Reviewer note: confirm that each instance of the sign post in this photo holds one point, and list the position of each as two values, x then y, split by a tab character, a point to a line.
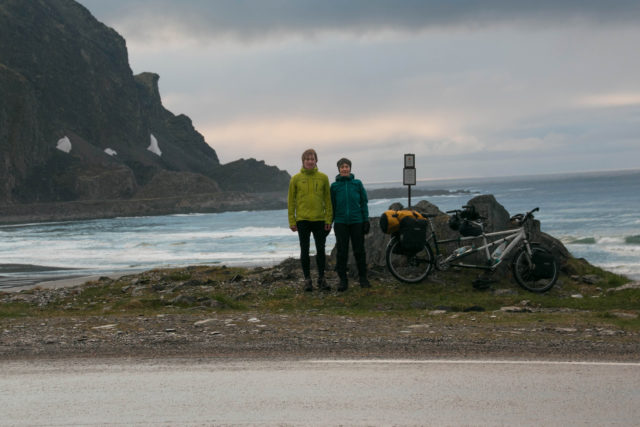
409	173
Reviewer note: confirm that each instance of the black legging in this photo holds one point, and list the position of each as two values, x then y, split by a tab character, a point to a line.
355	233
305	228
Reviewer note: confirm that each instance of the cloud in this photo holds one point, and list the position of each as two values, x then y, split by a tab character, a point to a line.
287	131
255	20
276	138
479	88
610	100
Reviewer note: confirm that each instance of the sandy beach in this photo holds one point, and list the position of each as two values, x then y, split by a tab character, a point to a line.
28	276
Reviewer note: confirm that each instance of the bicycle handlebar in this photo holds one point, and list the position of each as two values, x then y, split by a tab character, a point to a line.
525	217
460	210
465	207
529	215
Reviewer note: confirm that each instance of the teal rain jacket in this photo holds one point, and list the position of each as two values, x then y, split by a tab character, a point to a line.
349	200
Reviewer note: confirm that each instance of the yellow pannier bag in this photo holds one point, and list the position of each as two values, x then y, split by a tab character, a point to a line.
390	220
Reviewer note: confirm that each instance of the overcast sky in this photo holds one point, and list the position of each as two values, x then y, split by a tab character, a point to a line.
473	88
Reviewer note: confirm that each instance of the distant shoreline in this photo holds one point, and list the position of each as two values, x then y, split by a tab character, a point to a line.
103	209
537	176
394	193
198	203
235	201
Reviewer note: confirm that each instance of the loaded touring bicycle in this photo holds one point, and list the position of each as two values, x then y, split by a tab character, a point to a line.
414	249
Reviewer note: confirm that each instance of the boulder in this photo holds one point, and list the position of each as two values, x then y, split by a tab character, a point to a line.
497	217
486	205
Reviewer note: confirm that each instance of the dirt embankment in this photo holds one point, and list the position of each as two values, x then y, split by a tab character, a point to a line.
263	313
265	335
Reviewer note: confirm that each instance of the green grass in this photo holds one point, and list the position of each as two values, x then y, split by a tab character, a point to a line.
15	310
179	275
236	289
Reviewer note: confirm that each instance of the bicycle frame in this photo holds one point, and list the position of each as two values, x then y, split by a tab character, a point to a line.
533	266
511	237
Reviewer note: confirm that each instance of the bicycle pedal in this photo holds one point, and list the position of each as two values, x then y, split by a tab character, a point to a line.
441	263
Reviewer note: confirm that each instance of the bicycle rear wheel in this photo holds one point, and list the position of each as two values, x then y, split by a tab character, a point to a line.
529	276
409	267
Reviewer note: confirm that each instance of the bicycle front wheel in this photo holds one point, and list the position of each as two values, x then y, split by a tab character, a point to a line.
409	267
537	272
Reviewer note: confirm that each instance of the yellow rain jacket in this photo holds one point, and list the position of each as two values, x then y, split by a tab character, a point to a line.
309	197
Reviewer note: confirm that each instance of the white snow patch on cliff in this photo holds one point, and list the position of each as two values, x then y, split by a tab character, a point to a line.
153	147
64	144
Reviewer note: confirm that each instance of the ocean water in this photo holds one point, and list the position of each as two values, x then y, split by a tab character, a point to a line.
594	214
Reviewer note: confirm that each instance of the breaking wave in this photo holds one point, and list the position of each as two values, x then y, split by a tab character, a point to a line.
607	240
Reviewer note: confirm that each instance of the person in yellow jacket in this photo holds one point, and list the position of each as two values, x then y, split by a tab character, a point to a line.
310	212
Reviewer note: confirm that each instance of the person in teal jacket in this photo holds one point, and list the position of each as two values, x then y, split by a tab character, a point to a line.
351	223
310	212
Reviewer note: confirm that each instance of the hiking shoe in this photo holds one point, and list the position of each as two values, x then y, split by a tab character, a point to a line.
343	285
364	282
308	285
323	285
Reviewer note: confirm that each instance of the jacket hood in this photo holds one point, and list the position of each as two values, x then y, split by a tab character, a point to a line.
309	171
345	178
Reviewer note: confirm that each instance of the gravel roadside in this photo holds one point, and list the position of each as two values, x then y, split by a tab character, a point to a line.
268	335
206	328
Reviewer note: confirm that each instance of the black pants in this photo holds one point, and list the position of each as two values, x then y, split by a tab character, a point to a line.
355	233
305	228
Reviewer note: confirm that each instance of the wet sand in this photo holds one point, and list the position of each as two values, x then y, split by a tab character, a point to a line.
18	277
16	285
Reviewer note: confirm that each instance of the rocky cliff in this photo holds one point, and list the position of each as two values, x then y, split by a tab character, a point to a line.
77	125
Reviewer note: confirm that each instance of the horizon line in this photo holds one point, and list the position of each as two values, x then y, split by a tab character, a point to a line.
530	175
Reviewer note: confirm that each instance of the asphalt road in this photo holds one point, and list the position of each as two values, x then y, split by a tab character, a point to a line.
318	392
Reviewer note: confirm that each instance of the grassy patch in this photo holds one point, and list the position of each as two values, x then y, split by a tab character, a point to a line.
607	279
216	289
16	309
179	275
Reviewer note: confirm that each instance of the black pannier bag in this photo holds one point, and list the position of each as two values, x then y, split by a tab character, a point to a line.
413	234
543	265
454	222
470	228
463	222
470	213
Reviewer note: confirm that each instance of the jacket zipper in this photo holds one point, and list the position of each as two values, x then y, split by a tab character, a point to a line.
346	189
